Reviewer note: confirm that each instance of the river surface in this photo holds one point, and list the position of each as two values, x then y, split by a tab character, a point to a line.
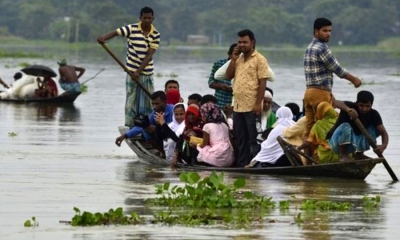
55	158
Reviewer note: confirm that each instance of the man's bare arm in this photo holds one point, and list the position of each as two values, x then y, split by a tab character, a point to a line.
103	38
80	70
146	60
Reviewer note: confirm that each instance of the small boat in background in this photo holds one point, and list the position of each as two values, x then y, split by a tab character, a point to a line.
62	98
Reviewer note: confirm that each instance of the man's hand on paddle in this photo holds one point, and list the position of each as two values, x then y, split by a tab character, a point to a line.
119	139
356	82
379	149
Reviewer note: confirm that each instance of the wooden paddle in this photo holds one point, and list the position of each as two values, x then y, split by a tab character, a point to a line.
373	145
126	69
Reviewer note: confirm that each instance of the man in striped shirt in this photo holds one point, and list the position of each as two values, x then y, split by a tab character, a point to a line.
142	42
319	66
223	88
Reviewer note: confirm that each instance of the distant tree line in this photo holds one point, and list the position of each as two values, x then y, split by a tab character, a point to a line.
273	21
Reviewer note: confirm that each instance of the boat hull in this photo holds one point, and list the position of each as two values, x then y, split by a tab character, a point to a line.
63	98
357	169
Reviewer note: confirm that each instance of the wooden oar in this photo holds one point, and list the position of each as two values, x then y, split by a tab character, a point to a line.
87	80
373	145
126	69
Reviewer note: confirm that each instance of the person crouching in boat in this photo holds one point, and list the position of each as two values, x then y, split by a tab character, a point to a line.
68	77
325	117
216	148
345	138
271	153
173	130
193	128
47	88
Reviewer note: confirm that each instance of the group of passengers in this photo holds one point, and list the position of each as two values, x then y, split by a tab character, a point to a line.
232	123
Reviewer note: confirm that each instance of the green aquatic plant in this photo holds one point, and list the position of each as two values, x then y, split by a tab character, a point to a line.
210	192
111	217
84	88
370	203
159	75
31	222
312	204
173	75
12	134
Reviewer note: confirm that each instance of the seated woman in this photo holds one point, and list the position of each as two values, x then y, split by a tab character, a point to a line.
271	153
216	149
172	131
193	127
294	134
47	88
325	117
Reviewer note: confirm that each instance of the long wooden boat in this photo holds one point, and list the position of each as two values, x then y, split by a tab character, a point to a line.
357	169
62	98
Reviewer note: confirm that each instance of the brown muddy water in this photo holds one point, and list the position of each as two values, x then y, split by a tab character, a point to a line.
65	156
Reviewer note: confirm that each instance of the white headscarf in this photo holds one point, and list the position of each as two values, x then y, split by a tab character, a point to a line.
270	148
265	114
174	125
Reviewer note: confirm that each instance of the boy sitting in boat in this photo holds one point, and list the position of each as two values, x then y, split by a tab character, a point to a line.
345	138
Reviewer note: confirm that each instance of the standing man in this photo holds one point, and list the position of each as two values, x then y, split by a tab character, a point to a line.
142	41
319	66
250	70
68	77
223	89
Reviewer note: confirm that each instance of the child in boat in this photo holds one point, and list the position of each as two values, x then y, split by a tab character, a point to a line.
172	131
216	149
193	127
345	138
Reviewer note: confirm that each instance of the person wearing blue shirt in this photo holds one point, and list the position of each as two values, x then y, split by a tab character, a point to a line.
151	130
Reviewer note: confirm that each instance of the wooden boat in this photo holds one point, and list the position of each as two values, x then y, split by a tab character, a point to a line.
62	98
357	169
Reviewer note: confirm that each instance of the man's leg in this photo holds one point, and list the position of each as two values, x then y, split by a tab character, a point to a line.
342	141
312	97
250	119
145	107
130	103
240	133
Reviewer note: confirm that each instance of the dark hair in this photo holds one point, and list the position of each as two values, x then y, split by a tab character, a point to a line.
195	96
208	98
269	90
146	10
321	22
246	32
17	76
230	51
365	97
159	94
171	81
294	108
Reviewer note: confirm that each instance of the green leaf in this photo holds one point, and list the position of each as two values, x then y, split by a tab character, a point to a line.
166	186
28	223
183	177
240	182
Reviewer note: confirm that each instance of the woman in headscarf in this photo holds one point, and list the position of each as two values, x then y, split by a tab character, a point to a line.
325	117
216	149
173	130
271	153
193	127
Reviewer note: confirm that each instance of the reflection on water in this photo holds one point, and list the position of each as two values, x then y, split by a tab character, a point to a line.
64	156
